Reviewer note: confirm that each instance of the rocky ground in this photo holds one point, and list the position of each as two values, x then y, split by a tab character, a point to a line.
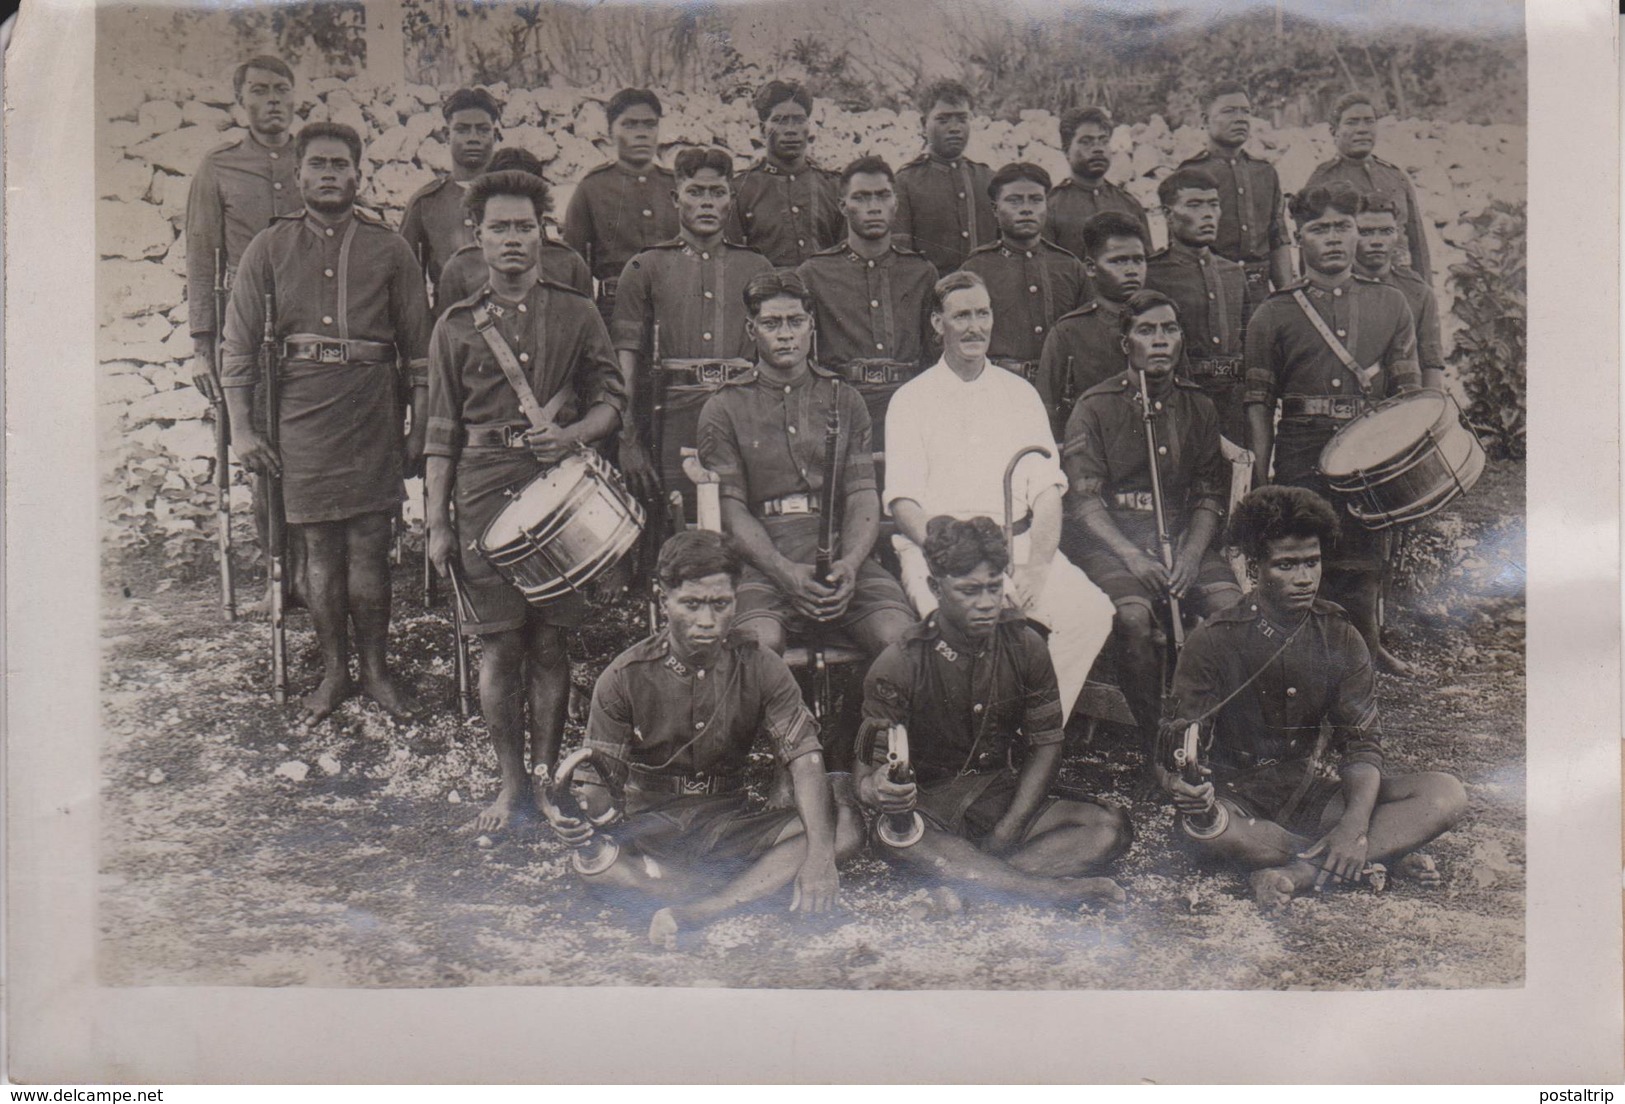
238	851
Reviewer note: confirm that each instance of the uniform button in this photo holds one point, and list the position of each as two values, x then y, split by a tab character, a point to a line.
1157	406
327	272
961	195
329	231
977	708
710	295
871	264
524	358
327	320
698	725
1244	226
1032	288
468	222
1215	341
1337	291
705	256
1162	450
792	429
1342	333
643	180
705	337
1210	295
801	241
1038	329
277	186
795	210
648	213
1291	691
1337	383
962	233
275	156
880	345
522	308
874	302
1240	190
700	674
787	389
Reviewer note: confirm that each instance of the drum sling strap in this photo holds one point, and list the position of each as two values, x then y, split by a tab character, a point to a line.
536	414
1363	376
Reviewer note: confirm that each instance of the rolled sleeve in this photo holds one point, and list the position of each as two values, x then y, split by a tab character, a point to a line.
1400	355
1041	697
609	721
1084	455
1210	482
719	449
597	374
1356	726
859	471
1259	359
788	722
634	306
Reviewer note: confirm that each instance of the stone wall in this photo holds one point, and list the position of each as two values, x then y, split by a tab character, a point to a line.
158	450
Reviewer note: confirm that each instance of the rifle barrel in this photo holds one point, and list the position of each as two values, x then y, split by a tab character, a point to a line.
1165	544
222	449
277	520
824	560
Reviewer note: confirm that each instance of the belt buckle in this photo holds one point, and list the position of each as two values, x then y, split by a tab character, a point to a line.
696	786
330	352
712	373
1225	367
874	373
795	504
513	436
1344	406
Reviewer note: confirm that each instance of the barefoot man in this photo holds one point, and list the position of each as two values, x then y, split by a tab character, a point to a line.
974	686
350	309
674	719
482	447
1283	687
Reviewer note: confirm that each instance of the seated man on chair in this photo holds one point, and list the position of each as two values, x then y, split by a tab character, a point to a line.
689	840
975	690
763	435
1282	685
1110	504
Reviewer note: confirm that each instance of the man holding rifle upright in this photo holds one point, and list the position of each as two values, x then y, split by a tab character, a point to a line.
349	314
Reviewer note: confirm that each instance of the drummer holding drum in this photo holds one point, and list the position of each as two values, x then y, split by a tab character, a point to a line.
521	378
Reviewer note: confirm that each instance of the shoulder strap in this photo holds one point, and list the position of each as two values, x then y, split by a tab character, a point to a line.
535	413
1363	376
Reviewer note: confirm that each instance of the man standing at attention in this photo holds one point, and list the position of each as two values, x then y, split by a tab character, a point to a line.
950	434
871	297
1032	281
482	447
1354	129
623	206
943	209
239	188
1086	138
1378	223
1252	215
786	207
435	224
350	314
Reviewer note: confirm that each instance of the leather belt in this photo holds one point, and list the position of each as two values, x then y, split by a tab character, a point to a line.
865	370
497	437
1223	367
1134	500
1341	407
788	506
702	371
1026	369
701	784
328	350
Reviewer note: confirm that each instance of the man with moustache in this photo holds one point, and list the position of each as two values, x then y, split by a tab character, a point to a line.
943	208
973	686
1085	347
623	206
350	319
482	448
1374	254
237	190
1283	688
689	839
1209	291
1295	363
1086	136
871	297
1252	216
435	224
693	287
1031	280
950	434
1354	129
763	436
1109	502
786	207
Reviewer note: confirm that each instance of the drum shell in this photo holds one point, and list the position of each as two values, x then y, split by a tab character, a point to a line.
1420	477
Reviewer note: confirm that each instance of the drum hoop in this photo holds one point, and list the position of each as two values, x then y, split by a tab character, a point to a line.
1403	464
1446	492
1432	432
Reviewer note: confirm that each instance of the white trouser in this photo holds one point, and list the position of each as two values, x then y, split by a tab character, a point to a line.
1077	613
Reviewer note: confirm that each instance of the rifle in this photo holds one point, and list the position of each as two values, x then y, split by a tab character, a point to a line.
824	559
430	590
1165	544
222	449
277	521
1181	753
899	829
460	609
599	851
1069	397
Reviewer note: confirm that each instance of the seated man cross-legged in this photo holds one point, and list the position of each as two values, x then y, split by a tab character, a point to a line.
1296	744
975	690
674	718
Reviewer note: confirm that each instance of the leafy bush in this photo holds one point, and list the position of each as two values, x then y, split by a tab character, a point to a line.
1491	349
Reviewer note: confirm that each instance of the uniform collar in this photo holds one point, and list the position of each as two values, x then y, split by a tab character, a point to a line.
764	165
659	648
1100	185
930	630
694	251
653	168
1008	250
813	374
1241	153
1179	249
845	250
320	226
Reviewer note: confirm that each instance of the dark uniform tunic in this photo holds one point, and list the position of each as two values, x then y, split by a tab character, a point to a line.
560	342
1210	293
340	415
1105	457
697	297
873	320
1373	174
971	715
1288	362
943	209
1071	204
679	737
614	215
239	188
765	442
1252	214
1030	289
786	216
436	226
1425	312
1264	738
466	272
1083	349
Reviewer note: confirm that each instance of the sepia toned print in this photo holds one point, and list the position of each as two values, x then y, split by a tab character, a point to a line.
910	804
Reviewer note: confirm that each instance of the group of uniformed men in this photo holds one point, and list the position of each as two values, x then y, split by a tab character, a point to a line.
953	318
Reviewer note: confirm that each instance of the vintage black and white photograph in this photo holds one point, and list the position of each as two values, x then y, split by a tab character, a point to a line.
853	494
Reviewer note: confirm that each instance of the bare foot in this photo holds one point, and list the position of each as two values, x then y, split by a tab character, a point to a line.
1102	890
1390	663
496	816
1419	867
395	701
1273	888
320	702
258	610
945	902
663	930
